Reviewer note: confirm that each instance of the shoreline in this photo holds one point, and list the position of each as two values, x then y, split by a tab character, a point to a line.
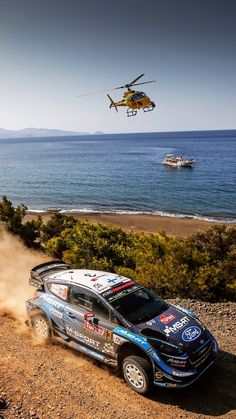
173	226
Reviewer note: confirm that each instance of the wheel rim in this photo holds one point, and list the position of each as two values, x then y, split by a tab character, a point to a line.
41	327
134	376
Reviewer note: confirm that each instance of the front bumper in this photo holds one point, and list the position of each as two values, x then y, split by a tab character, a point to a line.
166	376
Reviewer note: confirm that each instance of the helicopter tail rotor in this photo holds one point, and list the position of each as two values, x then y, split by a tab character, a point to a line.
112	104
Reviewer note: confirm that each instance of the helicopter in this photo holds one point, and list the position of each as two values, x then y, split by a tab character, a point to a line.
132	99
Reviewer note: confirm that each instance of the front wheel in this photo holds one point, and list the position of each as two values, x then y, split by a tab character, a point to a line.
137	373
41	327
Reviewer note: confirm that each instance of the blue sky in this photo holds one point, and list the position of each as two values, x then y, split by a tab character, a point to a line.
53	50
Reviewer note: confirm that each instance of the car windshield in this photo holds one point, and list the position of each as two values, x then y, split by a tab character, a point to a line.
139	306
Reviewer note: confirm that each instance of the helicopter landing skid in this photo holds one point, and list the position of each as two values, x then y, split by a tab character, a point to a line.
131	112
149	108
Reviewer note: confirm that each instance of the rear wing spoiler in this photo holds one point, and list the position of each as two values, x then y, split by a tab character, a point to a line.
39	273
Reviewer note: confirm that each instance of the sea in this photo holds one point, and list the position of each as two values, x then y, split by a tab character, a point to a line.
124	174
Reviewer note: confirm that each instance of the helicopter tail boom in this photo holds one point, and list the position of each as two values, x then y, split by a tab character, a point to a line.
112	104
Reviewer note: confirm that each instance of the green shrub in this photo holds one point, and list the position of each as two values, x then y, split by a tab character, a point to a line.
202	266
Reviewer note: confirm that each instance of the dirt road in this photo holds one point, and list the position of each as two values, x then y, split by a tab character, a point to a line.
51	381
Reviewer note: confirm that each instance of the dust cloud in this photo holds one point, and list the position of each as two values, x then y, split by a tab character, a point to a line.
16	262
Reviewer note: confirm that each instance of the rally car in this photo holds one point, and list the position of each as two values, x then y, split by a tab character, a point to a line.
117	321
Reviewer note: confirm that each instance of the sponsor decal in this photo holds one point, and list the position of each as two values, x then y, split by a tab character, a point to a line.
109	334
174	328
95	329
116	280
150	322
51	301
99	287
127	284
106	284
56	313
90	275
158	375
89	341
107	293
108	348
119	340
179	363
113	296
59	290
141	341
191	333
167	318
94	277
101	331
181	373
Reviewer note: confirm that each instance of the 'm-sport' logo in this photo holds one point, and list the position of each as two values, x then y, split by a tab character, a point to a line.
191	333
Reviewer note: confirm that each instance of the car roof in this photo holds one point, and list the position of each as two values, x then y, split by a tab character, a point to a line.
97	281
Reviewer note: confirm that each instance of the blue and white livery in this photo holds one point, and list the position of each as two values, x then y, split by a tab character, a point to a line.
117	321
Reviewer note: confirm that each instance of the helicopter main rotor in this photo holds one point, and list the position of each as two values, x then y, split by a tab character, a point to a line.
125	86
133	83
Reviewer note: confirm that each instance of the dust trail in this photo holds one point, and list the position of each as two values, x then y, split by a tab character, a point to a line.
16	262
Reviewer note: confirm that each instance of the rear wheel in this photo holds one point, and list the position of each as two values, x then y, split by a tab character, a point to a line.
41	327
137	373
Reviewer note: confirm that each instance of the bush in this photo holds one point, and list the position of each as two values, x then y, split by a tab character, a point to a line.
202	266
190	268
12	216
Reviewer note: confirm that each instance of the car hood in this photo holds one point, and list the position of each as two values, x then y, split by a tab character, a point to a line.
176	327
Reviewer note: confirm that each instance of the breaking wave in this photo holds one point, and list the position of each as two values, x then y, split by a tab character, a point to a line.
216	219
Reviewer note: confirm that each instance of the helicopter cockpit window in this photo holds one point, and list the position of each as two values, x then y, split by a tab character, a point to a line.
137	96
142	95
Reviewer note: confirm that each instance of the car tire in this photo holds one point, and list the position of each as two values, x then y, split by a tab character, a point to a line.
41	327
138	373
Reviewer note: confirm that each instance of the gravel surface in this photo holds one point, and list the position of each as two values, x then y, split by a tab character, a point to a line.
52	381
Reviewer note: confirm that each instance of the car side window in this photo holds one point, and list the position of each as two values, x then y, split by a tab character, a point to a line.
80	297
60	290
99	309
87	299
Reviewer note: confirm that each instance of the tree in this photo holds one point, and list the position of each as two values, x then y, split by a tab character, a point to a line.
12	216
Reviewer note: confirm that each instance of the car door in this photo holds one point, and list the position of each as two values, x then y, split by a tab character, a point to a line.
54	301
89	321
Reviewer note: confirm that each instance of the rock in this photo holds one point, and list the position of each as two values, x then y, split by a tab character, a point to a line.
3	404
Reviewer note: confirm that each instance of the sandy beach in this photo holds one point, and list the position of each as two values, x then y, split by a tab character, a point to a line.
177	227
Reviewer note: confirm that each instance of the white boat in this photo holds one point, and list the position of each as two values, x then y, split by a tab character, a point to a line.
178	161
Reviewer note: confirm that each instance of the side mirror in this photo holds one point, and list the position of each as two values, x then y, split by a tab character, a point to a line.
89	317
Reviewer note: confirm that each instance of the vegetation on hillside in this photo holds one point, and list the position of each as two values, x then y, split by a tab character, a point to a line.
202	266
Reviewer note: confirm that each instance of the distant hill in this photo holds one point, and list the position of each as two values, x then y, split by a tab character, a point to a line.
37	132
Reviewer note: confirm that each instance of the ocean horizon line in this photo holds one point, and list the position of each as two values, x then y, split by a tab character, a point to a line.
64	134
